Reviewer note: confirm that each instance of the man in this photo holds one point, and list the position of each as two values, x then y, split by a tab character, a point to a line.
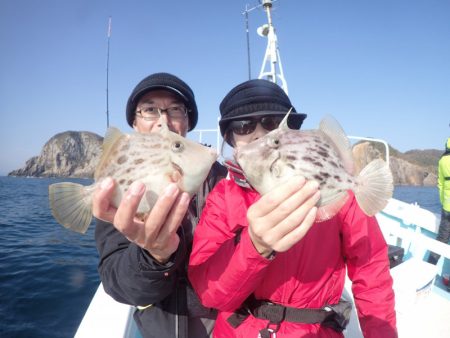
444	195
144	263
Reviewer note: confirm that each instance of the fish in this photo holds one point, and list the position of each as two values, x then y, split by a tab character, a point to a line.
324	155
155	159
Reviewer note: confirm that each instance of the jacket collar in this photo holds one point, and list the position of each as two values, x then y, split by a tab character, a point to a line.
236	174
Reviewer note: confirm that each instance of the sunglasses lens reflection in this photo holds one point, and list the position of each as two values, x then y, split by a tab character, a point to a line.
245	127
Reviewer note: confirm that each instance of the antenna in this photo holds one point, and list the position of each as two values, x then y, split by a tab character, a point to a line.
272	59
248	42
248	10
107	75
272	56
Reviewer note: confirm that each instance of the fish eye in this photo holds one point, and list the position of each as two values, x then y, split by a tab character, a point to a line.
177	147
274	142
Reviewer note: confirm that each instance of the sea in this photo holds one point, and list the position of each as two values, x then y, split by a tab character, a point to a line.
48	274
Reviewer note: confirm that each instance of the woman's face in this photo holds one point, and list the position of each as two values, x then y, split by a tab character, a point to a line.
242	140
245	131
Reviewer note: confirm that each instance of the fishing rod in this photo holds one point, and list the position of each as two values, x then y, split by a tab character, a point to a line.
248	41
248	10
107	75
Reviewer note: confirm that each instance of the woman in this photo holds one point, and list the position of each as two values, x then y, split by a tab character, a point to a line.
261	260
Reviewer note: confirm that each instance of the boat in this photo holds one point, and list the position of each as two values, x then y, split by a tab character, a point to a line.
422	296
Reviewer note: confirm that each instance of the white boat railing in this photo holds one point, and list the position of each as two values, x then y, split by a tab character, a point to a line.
107	318
371	139
201	136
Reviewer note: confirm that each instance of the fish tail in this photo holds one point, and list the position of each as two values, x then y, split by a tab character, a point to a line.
71	205
374	187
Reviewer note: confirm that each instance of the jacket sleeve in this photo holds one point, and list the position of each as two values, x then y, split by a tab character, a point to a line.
223	271
128	273
440	181
367	261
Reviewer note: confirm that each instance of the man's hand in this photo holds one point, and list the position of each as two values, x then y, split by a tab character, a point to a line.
282	217
158	233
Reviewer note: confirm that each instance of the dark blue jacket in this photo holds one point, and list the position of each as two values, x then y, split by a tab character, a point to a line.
131	276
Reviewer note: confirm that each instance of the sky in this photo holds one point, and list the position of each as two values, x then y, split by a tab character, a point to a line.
381	68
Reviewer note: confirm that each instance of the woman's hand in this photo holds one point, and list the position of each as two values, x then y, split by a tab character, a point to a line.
282	217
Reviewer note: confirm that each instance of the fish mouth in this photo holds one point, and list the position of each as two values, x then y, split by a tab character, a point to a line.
177	169
272	165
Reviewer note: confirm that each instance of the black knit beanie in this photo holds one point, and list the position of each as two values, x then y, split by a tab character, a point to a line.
163	81
255	98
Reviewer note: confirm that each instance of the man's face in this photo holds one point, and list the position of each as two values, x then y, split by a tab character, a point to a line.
162	100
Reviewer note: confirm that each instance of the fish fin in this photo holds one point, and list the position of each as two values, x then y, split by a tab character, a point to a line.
175	177
112	135
284	122
71	205
165	127
164	130
331	207
374	187
330	127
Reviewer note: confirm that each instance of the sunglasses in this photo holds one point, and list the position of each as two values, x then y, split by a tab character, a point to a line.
248	126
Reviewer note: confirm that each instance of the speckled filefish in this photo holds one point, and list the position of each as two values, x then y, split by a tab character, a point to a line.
155	159
323	155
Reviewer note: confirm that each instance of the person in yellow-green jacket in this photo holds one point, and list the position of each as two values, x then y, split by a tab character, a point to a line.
444	195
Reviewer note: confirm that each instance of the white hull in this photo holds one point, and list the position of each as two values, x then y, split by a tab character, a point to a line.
107	318
422	302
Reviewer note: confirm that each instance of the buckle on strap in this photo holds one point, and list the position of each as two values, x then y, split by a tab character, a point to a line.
339	315
275	314
333	316
268	333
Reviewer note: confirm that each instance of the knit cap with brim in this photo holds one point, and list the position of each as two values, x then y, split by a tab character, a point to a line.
168	82
257	97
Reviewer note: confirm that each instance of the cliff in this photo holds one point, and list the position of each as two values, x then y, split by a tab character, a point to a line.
68	154
415	167
76	154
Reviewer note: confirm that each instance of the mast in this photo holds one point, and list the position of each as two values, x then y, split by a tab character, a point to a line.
107	75
248	42
271	68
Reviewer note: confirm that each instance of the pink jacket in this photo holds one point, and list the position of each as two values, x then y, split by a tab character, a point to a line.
224	272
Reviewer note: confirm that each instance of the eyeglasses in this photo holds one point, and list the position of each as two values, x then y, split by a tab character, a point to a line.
153	113
248	126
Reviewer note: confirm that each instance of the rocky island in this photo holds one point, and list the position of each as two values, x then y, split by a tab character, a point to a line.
76	154
67	154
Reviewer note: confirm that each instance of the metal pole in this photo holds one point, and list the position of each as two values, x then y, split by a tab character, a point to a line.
248	43
271	43
107	75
